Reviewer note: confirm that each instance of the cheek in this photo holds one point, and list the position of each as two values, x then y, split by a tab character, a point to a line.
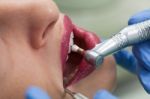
108	71
54	42
20	78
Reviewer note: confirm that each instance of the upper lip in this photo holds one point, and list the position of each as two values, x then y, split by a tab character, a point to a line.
76	68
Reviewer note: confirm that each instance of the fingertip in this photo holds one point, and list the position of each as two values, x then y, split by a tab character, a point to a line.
139	17
104	94
36	93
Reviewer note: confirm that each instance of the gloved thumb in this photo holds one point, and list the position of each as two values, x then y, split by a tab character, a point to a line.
126	60
36	93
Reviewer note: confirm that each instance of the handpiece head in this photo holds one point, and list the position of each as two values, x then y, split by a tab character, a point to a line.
90	56
93	58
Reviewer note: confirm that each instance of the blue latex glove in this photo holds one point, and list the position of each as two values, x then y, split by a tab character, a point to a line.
139	62
36	93
103	94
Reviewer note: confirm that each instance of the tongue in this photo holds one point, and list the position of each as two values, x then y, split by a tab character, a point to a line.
85	40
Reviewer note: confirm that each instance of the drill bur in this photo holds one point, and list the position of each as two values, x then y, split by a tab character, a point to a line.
77	49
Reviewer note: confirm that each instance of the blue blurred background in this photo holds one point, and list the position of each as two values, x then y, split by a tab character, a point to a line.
107	17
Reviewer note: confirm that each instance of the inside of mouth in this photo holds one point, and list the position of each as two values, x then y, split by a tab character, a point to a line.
74	59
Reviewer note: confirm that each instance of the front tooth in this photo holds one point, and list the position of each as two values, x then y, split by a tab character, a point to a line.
71	42
67	57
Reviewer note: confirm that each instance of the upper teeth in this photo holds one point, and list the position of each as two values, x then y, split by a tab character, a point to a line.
71	42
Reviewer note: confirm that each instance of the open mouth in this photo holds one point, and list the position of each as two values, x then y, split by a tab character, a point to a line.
75	67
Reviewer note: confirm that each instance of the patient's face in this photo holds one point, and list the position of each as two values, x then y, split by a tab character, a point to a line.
35	41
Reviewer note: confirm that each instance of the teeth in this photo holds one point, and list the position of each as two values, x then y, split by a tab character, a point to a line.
74	48
67	57
71	42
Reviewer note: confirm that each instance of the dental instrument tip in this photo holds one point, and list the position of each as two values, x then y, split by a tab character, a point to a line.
77	49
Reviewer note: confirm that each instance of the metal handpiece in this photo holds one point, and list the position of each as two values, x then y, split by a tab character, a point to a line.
130	35
75	95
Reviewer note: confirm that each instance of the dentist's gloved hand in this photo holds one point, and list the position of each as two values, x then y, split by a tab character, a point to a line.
36	93
139	61
104	94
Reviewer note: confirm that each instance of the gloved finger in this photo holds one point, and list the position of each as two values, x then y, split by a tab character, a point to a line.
36	93
142	52
144	77
126	60
139	17
103	94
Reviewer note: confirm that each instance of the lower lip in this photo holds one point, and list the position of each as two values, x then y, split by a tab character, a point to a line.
84	68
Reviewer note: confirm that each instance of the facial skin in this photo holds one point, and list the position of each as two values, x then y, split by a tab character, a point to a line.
30	44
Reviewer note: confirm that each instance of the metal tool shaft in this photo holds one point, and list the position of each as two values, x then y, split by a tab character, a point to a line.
130	35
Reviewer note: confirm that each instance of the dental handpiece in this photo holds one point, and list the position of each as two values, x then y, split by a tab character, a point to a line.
128	36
